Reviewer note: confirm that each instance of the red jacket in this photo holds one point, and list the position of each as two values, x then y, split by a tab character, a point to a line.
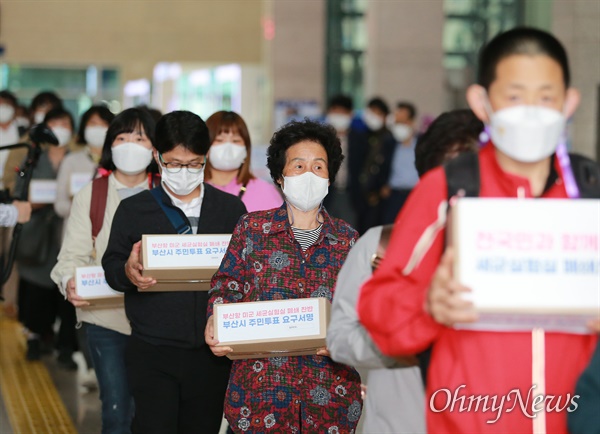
391	307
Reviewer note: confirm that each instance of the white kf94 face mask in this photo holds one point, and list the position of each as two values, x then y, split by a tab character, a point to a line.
95	136
183	182
372	120
62	134
339	121
527	133
227	156
306	191
131	158
401	132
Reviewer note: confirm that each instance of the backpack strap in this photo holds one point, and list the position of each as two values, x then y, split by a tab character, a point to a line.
587	176
384	240
242	190
181	226
462	173
98	204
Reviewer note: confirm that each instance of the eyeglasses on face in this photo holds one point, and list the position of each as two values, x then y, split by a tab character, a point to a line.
173	167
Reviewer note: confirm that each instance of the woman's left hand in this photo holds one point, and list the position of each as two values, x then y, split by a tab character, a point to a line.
323	352
209	337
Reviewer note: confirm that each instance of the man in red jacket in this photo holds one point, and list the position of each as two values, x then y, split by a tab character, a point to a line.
484	381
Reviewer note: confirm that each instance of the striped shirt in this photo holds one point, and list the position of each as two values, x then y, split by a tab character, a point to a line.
307	237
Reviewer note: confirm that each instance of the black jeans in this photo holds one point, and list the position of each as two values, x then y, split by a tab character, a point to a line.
176	390
38	309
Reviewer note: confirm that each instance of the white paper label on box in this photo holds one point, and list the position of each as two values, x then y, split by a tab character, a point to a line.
529	257
282	319
78	181
42	191
166	251
91	283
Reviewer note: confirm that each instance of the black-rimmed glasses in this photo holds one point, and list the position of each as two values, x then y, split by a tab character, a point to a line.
173	167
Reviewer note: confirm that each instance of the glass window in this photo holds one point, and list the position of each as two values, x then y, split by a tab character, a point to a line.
71	84
346	44
469	25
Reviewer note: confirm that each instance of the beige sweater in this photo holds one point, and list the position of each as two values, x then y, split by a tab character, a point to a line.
77	251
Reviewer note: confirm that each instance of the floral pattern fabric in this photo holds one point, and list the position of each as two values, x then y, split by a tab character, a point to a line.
311	394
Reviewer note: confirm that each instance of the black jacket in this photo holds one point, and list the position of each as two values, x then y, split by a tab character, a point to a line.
175	319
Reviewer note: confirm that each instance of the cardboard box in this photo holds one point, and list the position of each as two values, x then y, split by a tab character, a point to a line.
91	285
182	262
530	263
42	191
272	328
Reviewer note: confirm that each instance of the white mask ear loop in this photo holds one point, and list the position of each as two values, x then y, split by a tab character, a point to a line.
319	213
486	134
291	211
564	161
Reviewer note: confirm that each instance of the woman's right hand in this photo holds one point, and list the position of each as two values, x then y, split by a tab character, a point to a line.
72	296
209	337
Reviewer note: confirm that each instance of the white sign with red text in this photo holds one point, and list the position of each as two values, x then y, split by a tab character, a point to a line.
238	322
91	283
189	251
529	262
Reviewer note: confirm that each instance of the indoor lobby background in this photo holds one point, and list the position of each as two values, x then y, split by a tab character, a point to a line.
271	61
269	58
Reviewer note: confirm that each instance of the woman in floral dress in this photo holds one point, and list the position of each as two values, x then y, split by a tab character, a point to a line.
292	252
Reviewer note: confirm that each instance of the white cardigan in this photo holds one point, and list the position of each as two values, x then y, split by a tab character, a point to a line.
77	251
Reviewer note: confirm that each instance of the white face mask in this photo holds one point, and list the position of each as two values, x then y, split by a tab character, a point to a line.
339	121
38	117
62	134
373	120
527	133
182	183
22	122
7	112
131	158
227	156
401	132
306	191
94	136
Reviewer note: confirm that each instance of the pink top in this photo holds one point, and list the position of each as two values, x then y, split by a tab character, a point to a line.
260	195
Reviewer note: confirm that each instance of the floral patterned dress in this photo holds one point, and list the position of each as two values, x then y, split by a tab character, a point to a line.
310	394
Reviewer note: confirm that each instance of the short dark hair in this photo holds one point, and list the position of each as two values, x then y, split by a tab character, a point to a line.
299	131
409	107
340	100
9	96
60	113
128	121
45	97
453	131
100	110
380	104
182	128
521	40
154	112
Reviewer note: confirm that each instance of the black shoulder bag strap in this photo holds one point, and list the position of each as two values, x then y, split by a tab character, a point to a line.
384	240
587	176
462	177
462	173
180	225
242	190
